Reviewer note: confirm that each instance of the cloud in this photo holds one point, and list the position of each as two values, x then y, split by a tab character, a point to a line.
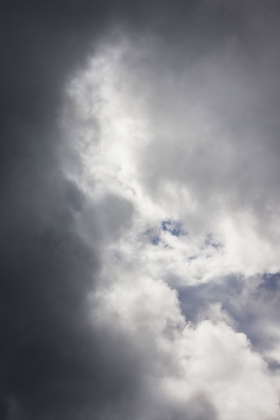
177	164
183	363
140	197
168	147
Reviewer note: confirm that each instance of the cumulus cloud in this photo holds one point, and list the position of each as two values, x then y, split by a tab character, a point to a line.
204	370
140	234
161	149
168	146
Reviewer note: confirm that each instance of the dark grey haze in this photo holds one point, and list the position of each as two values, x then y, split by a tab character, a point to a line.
54	364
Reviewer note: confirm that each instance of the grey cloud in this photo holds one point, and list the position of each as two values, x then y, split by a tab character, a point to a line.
115	214
55	362
196	298
257	315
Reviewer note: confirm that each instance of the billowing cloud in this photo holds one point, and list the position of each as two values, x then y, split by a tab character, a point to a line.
162	171
140	219
168	146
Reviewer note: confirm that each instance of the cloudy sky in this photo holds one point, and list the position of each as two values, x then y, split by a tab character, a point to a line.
140	210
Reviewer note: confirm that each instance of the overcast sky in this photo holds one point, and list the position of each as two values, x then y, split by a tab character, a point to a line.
140	210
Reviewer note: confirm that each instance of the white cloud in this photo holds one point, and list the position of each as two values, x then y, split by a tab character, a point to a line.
183	362
155	149
162	145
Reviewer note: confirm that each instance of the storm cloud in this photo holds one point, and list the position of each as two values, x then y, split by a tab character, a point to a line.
139	210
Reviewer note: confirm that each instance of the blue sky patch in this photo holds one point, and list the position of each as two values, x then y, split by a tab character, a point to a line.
155	241
172	226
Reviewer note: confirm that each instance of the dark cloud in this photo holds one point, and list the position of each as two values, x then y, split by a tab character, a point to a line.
52	364
55	363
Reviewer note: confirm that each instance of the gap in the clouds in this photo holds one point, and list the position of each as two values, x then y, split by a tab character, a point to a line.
195	298
156	240
174	227
271	282
257	314
251	303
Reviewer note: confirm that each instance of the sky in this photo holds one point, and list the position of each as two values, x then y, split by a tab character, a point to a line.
139	217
